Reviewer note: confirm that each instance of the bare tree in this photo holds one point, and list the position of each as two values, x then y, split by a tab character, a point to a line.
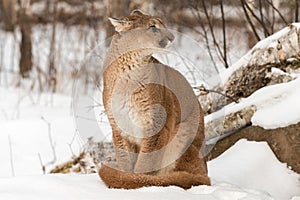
224	54
206	20
51	68
25	64
297	10
258	17
8	14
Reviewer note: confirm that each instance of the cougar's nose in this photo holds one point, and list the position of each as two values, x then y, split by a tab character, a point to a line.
171	37
167	39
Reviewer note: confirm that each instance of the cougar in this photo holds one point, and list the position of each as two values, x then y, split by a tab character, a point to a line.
157	122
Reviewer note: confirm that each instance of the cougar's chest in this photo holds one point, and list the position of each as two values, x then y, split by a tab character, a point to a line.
125	110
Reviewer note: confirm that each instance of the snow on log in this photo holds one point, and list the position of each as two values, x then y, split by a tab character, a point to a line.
224	125
280	51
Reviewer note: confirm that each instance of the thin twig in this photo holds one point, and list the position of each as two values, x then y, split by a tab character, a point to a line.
279	13
212	32
1	58
11	156
204	91
188	67
256	17
52	144
42	165
72	141
204	34
249	20
224	35
262	18
296	10
273	19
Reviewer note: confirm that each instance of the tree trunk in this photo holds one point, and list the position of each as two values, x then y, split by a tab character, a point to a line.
25	64
52	72
9	14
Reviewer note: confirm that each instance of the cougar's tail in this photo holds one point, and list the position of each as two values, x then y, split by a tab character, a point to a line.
119	179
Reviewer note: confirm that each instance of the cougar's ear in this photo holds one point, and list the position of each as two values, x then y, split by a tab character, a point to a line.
119	24
137	12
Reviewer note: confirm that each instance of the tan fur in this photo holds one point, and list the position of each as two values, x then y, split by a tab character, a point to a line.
129	70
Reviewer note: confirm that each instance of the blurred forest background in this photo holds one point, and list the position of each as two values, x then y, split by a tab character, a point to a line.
43	42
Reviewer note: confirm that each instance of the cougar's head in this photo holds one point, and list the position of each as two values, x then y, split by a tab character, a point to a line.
142	29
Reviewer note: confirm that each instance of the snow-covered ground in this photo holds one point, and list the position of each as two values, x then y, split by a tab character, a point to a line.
25	119
88	187
248	170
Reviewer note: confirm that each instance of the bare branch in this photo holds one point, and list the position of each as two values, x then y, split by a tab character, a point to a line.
52	69
71	142
11	156
296	10
260	21
273	19
270	2
42	165
249	20
205	35
52	144
204	91
212	32
262	15
224	35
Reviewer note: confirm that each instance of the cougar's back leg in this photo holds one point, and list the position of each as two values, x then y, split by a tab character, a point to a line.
192	162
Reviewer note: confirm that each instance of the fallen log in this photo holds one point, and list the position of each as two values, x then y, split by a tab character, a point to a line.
255	70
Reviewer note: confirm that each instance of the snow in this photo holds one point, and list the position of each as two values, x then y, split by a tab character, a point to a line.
239	166
90	187
22	119
281	101
284	108
248	170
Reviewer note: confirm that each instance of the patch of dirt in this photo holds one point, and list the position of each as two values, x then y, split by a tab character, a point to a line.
284	142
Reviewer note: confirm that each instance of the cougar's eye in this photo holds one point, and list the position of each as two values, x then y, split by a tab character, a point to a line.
154	28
